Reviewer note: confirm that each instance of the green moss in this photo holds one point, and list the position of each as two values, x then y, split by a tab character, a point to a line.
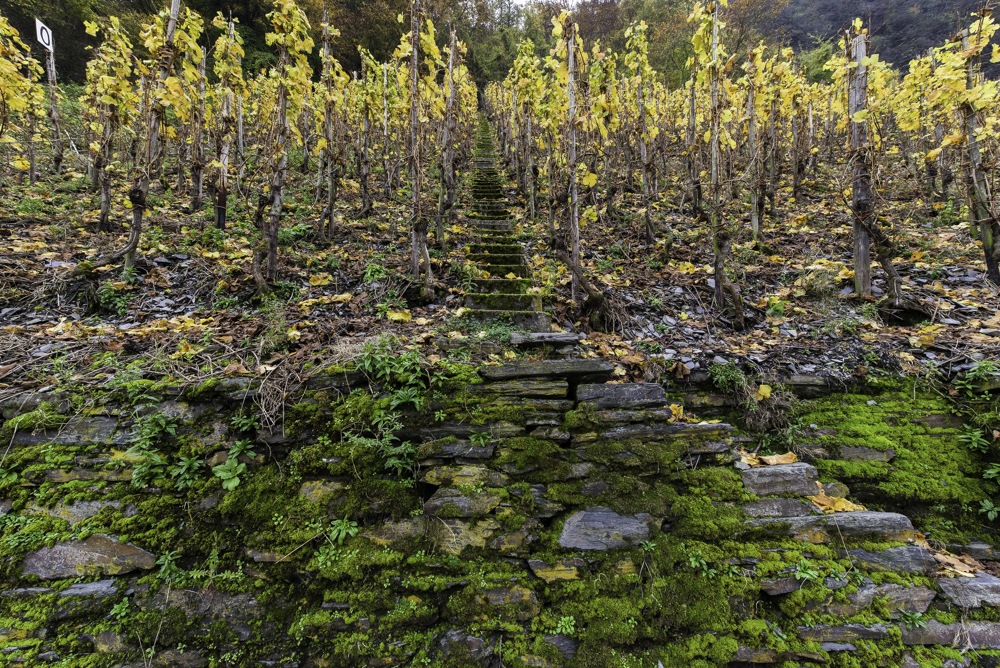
43	417
203	391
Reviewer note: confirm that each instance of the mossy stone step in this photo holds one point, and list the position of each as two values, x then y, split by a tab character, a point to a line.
490	260
496	249
492	221
503	270
502	286
532	321
503	302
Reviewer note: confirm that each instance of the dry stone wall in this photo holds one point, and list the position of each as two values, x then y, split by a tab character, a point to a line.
542	515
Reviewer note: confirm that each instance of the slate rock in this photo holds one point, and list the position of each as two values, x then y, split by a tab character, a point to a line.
903	559
460	476
541	388
600	528
778	586
621	395
649	432
318	491
207	606
837	647
74	513
449	448
798	478
780	507
844	633
561	571
522	599
563	644
984	589
76	431
96	555
754	655
978	635
462	644
453	503
391	532
597	369
976	549
454	535
99	589
898	599
829	528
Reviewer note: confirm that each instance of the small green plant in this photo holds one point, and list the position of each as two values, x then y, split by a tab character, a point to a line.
566	625
776	308
974	439
648	546
242	422
806	573
987	508
480	439
440	416
376	271
342	529
243	446
7	476
696	560
185	471
169	570
120	612
230	471
728	377
912	619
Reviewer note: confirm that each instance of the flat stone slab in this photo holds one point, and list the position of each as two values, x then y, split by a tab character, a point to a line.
454	535
75	512
778	586
898	599
458	476
542	338
984	589
780	507
99	589
599	369
844	633
543	388
978	635
829	528
561	571
97	555
621	395
903	559
453	503
651	432
798	478
76	431
600	528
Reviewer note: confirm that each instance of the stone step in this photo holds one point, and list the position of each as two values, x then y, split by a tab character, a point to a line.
496	249
503	302
545	338
798	478
835	527
493	260
532	321
504	270
502	286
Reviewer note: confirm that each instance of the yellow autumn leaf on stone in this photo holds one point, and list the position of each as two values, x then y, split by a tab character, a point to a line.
320	279
775	460
399	316
750	459
833	504
511	275
677	411
763	392
343	298
422	321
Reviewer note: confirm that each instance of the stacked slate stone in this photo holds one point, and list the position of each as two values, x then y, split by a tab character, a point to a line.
504	295
560	512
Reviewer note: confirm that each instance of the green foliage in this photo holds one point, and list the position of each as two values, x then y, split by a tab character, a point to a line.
149	466
343	528
728	377
186	470
974	438
229	472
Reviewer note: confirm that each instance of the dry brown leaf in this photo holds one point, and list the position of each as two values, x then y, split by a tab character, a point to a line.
953	566
833	504
750	459
774	460
681	370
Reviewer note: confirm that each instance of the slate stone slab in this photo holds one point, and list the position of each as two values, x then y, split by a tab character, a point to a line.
564	644
904	559
458	476
75	512
600	528
837	647
984	589
77	431
621	395
780	508
542	388
798	478
827	528
978	635
99	589
598	369
453	503
779	586
650	432
844	633
898	600
97	555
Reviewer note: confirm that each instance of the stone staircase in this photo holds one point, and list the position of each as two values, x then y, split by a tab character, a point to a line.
504	295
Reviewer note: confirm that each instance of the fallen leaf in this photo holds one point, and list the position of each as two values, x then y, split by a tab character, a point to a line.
399	316
320	279
677	411
681	370
763	392
235	368
833	504
774	460
750	459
